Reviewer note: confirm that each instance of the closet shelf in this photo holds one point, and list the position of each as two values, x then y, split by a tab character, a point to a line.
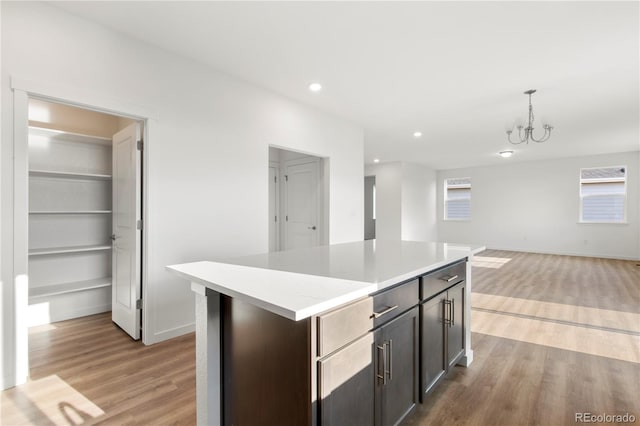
68	249
61	136
54	289
71	212
69	175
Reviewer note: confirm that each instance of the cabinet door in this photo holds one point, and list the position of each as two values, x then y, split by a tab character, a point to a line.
455	337
433	342
397	392
346	384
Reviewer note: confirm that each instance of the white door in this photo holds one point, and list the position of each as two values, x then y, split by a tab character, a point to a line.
126	288
301	212
273	208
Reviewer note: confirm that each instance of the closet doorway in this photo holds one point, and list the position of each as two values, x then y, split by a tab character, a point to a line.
369	207
298	209
84	215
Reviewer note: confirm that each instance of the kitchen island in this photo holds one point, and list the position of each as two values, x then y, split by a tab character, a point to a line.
353	333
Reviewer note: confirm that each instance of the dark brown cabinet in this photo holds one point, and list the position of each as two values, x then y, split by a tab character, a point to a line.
397	371
455	326
374	380
442	338
368	362
346	384
433	365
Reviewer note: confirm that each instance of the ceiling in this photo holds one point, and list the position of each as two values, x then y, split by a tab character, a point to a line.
456	71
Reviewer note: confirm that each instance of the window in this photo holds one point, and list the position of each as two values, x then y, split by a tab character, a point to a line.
457	199
603	192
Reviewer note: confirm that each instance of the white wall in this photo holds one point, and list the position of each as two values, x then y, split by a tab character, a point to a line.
418	203
207	151
534	207
405	201
388	199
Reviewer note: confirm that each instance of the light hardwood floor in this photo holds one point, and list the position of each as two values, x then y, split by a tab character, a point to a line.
552	336
87	371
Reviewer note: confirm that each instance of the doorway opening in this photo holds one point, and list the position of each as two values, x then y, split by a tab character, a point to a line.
298	194
84	215
369	207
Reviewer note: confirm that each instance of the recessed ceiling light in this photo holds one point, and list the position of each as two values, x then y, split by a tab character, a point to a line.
417	134
376	160
315	87
506	154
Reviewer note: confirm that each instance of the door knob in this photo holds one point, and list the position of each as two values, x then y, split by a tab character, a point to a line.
313	228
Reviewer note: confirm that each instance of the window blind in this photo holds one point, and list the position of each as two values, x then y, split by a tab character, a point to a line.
458	198
603	194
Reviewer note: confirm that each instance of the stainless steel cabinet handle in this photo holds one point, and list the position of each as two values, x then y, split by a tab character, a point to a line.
447	311
453	312
382	364
386	311
449	278
390	371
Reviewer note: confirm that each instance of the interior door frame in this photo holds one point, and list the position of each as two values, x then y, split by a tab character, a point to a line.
319	197
78	97
276	166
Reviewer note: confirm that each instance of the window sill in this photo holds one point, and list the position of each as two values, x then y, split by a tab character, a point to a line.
603	223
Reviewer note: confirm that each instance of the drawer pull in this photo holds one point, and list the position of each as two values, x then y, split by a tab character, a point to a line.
449	279
386	311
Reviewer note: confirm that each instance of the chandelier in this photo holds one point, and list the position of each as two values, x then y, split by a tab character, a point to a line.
524	137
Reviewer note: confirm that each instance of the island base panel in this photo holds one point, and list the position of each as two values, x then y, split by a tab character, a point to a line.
267	363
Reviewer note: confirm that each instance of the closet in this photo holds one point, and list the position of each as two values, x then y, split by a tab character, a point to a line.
70	154
298	209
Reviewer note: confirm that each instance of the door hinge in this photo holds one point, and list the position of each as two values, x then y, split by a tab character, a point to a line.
275	218
140	145
286	178
139	304
286	218
139	224
275	179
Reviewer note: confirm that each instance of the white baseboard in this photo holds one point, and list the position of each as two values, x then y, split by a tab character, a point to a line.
7	382
161	336
467	359
596	255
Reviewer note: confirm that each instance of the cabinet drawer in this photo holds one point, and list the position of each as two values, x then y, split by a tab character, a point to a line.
389	304
442	279
343	325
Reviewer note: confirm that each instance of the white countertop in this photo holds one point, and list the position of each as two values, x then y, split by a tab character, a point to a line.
304	282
